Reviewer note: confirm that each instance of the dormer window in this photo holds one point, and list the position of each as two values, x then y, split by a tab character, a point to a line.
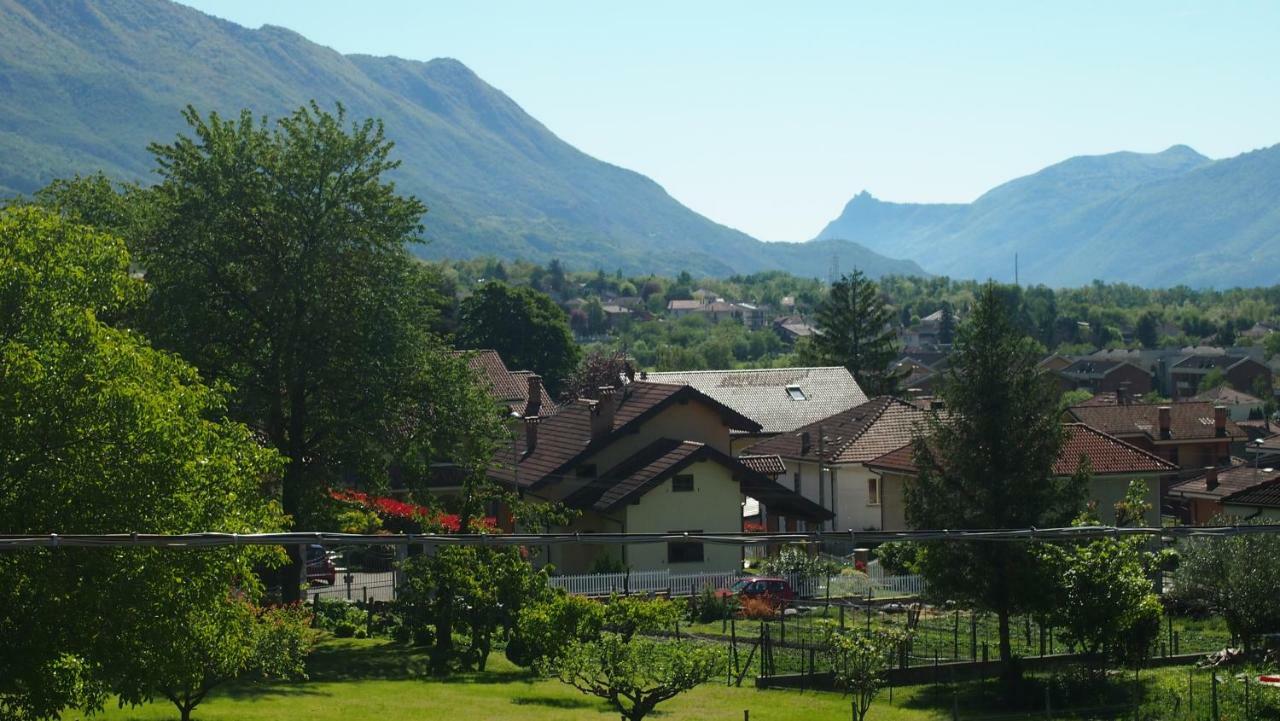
796	394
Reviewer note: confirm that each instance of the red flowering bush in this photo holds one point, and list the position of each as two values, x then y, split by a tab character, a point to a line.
753	527
402	517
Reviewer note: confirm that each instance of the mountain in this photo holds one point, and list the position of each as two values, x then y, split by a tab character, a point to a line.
1156	219
87	84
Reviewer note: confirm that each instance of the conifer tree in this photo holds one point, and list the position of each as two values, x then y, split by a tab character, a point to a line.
855	333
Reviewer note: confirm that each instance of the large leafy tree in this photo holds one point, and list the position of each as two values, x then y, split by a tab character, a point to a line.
524	326
275	256
988	463
101	433
855	333
1235	576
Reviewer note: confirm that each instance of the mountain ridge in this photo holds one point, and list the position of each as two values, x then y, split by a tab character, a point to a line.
1154	219
92	83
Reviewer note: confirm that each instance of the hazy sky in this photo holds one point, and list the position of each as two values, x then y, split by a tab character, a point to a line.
769	116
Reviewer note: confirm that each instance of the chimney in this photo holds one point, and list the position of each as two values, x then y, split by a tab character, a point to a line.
530	433
602	412
533	405
1220	421
1166	422
1210	477
806	443
1122	394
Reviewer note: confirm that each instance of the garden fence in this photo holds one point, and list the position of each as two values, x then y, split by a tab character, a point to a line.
663	581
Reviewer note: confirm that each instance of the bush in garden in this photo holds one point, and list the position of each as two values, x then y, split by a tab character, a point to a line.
628	615
329	615
546	628
898	557
710	606
636	675
858	661
795	560
1235	576
757	608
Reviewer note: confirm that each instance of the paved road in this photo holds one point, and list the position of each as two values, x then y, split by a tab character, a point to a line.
380	586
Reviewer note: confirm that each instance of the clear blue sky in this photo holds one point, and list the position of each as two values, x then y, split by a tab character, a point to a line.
769	116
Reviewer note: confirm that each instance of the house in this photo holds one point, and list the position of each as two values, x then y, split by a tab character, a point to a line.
511	389
646	458
1240	405
1190	435
827	458
752	315
779	399
681	308
1260	330
1112	463
1243	490
1243	372
918	379
791	328
1055	362
1105	376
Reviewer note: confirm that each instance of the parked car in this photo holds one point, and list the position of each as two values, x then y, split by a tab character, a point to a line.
320	566
777	591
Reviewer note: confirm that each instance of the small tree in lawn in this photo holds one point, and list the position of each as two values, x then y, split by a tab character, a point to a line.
1235	576
1105	606
234	641
859	660
635	676
989	463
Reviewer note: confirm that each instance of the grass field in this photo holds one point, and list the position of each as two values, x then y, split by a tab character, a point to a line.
375	680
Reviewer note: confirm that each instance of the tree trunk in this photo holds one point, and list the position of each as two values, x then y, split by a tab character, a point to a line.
294	492
184	711
1010	675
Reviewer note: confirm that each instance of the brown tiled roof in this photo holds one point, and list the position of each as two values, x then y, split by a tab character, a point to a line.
1265	494
1228	395
1231	481
506	386
856	435
1188	421
768	465
666	457
564	438
1107	456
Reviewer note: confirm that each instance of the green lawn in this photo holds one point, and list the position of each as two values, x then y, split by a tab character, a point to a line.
378	681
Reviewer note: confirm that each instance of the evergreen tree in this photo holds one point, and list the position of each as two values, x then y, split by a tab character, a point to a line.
988	463
855	333
1146	330
947	327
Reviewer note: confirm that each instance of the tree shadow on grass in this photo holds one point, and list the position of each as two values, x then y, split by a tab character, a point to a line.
257	691
561	703
389	661
1063	693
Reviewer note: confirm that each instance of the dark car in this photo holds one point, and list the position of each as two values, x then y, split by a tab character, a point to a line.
320	566
771	588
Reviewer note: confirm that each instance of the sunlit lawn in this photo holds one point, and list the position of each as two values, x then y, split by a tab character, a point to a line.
378	681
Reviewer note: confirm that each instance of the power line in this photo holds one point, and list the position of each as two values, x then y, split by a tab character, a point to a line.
210	540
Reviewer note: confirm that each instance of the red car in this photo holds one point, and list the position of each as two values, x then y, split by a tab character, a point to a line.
776	590
320	566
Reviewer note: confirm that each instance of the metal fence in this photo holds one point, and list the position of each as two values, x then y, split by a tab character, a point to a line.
663	581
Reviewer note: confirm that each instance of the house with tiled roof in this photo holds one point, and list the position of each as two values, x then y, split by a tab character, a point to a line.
511	389
1189	435
1113	464
1105	376
779	399
1240	405
1242	371
645	458
827	459
1243	490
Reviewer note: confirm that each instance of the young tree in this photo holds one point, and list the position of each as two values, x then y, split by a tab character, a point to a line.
947	326
100	433
855	333
858	661
988	463
1235	576
636	675
524	326
1215	378
1105	605
277	264
1146	330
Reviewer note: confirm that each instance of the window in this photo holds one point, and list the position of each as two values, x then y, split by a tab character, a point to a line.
682	484
873	491
684	551
796	394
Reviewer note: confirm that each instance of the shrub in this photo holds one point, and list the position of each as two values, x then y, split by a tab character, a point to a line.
796	560
898	557
546	628
346	630
635	676
757	608
709	606
328	615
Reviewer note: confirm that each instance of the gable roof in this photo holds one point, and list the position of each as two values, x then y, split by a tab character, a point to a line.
1229	395
1191	421
1265	494
767	465
1205	362
762	394
1096	368
564	438
1232	483
1107	455
652	465
858	434
508	387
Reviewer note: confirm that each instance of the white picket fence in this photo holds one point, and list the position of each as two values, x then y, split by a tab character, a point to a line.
663	581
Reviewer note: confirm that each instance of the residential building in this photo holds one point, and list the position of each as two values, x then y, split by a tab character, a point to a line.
827	458
1189	435
1240	405
646	458
511	389
791	328
1113	465
779	399
1105	376
1243	491
1244	373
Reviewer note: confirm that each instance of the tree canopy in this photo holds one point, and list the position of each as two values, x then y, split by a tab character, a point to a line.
524	326
855	333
